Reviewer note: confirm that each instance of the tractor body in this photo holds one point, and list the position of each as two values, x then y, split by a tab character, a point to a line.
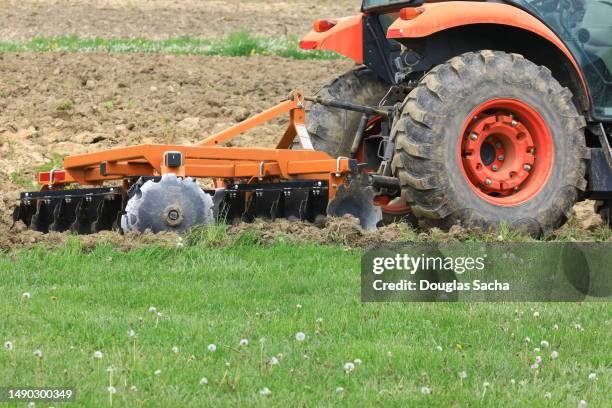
403	44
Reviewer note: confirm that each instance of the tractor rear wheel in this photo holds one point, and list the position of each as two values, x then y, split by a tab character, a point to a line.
490	138
332	130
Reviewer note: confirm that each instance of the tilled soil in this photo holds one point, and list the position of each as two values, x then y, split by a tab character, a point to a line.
161	19
56	104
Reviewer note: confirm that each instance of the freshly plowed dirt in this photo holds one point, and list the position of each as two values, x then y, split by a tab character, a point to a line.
52	105
162	19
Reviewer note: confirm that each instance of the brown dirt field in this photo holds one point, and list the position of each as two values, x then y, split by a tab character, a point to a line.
161	19
56	104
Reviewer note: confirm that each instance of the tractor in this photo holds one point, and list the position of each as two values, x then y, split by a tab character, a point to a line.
505	107
479	113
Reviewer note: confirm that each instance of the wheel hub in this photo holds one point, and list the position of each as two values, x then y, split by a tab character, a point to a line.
174	216
506	152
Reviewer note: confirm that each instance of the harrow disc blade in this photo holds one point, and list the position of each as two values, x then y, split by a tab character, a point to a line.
81	211
170	204
358	202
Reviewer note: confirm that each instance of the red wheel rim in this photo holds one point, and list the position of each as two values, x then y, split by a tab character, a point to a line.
506	152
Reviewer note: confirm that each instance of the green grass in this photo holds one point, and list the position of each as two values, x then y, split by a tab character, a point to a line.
235	45
83	301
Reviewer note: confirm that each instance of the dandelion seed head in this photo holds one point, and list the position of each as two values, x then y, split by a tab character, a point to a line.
26	295
175	349
556	327
349	367
527	340
439	348
536	314
111	390
593	376
554	354
544	344
320	320
389	354
582	404
110	369
300	336
298	306
538	359
262	340
38	353
8	345
357	361
536	350
273	360
98	354
486	384
425	390
203	381
463	375
131	333
152	309
31	405
212	348
133	388
512	381
244	342
157	373
547	395
339	390
265	391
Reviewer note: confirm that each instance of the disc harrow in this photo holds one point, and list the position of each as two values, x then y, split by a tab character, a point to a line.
154	186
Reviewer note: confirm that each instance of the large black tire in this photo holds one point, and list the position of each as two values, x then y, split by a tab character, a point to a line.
333	130
427	159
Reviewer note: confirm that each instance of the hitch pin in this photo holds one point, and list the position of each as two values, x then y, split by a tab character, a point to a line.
338	172
51	174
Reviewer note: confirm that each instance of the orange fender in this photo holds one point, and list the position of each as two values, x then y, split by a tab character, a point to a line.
345	38
434	17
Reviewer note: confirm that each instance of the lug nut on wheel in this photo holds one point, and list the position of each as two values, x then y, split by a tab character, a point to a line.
527	167
488	182
494	168
501	157
473	136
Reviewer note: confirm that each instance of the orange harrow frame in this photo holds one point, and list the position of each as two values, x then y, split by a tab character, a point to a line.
207	159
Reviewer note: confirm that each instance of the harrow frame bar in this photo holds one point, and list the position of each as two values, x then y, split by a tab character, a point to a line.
207	159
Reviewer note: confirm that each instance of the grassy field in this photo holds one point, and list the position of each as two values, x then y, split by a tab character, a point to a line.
240	44
86	301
